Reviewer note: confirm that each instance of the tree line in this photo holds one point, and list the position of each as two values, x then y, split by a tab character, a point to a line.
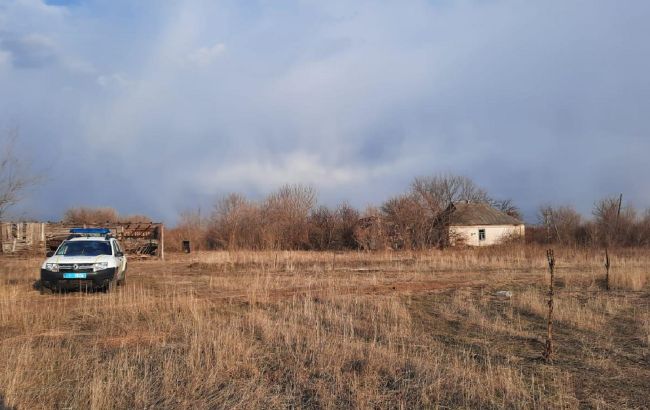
290	218
612	223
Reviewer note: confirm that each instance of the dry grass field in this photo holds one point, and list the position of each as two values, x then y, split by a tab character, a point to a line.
324	330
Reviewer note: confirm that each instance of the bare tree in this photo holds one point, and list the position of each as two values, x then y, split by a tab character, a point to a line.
564	224
408	222
642	233
507	206
235	224
322	228
347	218
15	177
613	221
285	217
435	193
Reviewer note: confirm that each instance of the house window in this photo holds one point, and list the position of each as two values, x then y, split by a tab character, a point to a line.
481	234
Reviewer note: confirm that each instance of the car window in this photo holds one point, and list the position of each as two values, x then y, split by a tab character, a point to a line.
116	246
84	248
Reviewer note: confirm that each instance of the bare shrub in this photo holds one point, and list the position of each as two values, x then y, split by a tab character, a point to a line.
563	223
612	222
608	228
135	219
100	215
408	219
285	217
333	229
322	226
346	218
192	226
86	215
370	232
235	224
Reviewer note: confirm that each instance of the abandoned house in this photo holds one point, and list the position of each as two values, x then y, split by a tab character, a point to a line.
37	238
479	224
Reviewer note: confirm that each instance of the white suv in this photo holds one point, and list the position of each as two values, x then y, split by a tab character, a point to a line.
90	258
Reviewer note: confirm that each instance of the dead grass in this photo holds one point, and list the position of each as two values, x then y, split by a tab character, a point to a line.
300	329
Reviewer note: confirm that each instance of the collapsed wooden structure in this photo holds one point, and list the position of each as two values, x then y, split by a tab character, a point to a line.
139	239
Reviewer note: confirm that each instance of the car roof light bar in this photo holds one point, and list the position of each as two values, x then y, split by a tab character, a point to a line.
90	231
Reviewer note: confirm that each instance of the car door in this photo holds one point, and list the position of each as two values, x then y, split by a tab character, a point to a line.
121	260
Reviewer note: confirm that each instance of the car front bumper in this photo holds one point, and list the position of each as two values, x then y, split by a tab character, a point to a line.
94	280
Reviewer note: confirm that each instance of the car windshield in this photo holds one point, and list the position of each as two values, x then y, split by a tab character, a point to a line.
84	248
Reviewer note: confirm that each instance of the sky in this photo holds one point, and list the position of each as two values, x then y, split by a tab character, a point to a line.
155	107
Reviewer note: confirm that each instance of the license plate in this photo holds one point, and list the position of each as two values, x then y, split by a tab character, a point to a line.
74	276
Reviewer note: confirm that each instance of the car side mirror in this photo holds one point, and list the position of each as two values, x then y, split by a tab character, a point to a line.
119	254
49	254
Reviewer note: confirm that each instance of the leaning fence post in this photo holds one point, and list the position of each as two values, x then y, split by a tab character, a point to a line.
608	240
607	265
548	348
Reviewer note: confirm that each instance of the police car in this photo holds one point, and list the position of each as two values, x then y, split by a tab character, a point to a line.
90	258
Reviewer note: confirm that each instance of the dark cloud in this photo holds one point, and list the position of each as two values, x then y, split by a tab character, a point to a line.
186	100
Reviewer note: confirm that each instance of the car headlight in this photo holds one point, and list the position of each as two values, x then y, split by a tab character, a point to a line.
52	267
100	266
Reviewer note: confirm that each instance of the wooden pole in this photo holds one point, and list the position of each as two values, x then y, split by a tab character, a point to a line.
607	262
548	348
161	242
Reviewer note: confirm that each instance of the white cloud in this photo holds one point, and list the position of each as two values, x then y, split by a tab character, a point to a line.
115	80
265	174
205	56
296	167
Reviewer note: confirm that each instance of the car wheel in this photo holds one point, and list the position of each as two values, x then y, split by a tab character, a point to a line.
44	290
110	286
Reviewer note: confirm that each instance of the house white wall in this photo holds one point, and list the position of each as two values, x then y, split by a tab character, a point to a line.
469	235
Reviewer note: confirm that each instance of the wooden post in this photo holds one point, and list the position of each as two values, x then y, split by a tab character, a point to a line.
548	348
161	242
606	269
608	239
